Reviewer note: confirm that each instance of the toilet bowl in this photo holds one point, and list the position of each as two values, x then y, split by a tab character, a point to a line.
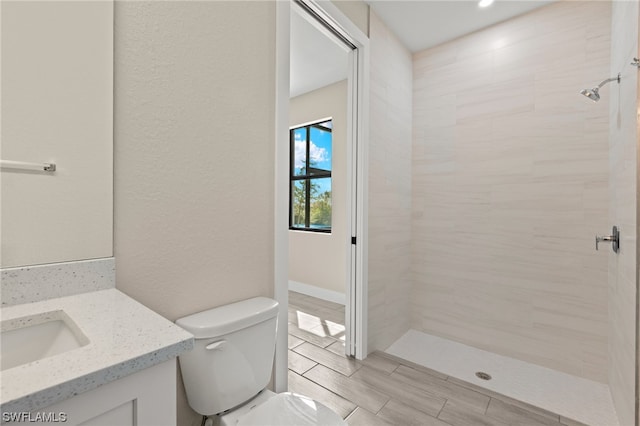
226	374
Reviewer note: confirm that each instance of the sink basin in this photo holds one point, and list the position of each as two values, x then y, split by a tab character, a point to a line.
35	337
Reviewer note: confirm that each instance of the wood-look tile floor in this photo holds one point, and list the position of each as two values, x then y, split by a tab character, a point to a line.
383	389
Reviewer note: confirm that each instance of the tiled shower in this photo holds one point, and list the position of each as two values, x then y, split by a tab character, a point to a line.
483	209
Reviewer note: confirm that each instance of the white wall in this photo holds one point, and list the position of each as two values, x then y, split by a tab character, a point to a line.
57	99
319	259
389	187
510	186
194	154
623	198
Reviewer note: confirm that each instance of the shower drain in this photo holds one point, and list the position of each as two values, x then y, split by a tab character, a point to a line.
482	375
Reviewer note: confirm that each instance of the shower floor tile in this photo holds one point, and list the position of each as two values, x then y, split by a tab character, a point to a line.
569	396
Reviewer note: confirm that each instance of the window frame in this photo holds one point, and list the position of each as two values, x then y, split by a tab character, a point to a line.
307	177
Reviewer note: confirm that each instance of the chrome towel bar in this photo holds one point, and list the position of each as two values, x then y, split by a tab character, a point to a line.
47	167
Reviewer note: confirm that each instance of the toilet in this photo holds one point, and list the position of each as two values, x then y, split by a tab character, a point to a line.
226	374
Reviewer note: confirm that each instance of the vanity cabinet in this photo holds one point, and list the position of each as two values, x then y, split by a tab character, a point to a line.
145	398
125	374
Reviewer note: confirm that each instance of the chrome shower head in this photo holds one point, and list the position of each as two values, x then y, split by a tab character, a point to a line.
591	94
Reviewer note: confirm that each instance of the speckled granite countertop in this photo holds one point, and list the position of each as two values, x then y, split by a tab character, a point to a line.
124	337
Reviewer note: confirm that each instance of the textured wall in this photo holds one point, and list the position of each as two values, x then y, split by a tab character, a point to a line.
389	187
194	152
510	185
623	190
57	106
357	11
315	258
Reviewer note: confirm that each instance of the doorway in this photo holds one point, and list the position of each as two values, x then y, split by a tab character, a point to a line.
319	252
331	24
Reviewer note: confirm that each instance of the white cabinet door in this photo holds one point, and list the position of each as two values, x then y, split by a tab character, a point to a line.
146	398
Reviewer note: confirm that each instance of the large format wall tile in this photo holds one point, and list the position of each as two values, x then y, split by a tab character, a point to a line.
623	158
389	187
509	186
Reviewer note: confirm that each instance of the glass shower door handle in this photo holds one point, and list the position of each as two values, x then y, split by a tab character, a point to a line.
614	239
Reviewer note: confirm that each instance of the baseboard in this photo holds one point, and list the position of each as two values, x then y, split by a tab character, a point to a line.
320	293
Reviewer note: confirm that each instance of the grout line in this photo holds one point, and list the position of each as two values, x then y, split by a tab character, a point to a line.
313	381
445	422
351	412
307	358
385	404
442	408
312	343
414	366
326	388
505	399
297	344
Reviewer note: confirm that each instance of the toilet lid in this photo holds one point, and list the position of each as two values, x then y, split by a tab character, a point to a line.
290	409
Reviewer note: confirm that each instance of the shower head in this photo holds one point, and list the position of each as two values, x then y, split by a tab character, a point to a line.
591	94
594	94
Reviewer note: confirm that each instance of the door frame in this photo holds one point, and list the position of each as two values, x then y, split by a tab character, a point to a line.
357	176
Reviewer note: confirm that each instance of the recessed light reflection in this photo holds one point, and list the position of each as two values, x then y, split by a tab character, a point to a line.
485	3
499	43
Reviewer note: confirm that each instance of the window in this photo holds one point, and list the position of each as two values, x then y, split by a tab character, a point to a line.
310	176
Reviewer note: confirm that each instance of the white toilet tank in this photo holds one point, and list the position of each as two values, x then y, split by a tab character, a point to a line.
233	354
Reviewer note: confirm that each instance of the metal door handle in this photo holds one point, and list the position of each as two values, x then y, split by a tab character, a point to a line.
614	239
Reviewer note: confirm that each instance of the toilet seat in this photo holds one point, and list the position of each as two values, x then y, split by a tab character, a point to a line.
290	409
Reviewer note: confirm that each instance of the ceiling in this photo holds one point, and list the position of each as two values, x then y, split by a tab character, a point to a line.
427	23
319	59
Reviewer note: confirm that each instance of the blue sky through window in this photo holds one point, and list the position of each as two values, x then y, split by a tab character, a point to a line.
320	151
